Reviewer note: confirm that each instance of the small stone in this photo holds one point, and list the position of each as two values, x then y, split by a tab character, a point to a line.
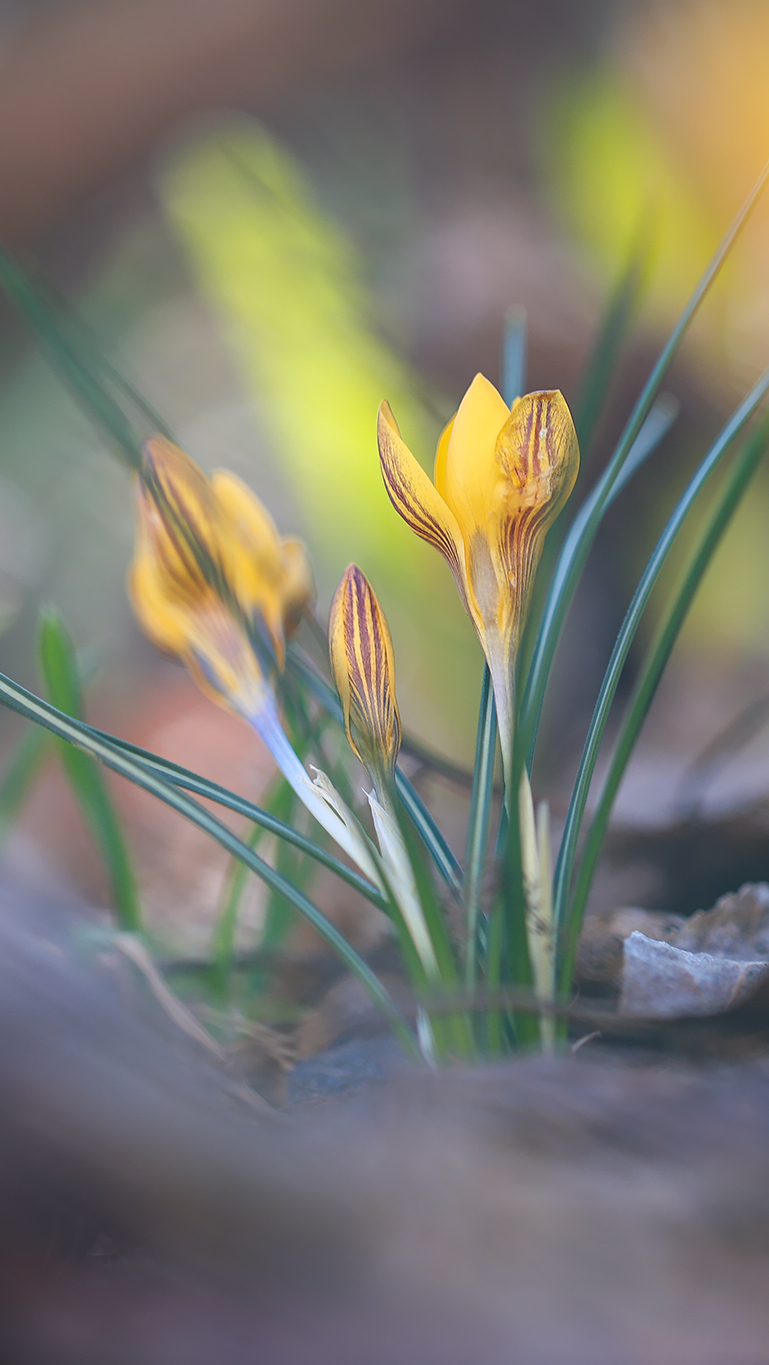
661	981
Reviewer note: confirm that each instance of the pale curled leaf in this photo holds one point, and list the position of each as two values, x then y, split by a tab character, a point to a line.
400	876
661	981
537	883
340	822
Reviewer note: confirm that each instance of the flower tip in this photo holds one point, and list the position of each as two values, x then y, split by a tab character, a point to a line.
160	454
363	668
386	422
482	391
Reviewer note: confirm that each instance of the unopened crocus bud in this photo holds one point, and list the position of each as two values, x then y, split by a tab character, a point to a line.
363	666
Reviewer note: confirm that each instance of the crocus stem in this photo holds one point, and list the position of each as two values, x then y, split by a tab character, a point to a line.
478	824
537	878
320	798
503	685
400	875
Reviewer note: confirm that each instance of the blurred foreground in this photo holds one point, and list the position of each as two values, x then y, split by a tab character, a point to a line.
154	1211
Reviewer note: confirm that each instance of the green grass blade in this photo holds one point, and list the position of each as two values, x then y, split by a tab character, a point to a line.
453	1034
223	941
18	699
612	332
24	764
201	786
657	425
577	547
661	417
66	356
58	665
279	914
478	824
565	863
514	354
86	344
443	856
649	677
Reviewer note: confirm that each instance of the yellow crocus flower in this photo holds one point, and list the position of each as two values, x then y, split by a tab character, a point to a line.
212	581
501	476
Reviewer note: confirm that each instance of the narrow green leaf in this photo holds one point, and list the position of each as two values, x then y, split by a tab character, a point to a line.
649	677
453	1033
18	699
661	417
562	535
624	640
577	546
514	354
223	941
61	674
24	764
202	786
90	350
601	367
478	824
67	357
443	856
279	914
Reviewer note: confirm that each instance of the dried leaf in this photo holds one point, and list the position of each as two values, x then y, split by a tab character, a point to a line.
661	981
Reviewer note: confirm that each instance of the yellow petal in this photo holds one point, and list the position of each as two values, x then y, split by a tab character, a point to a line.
415	498
220	658
158	611
466	471
180	510
250	553
244	512
298	588
538	454
441	455
363	666
538	457
201	631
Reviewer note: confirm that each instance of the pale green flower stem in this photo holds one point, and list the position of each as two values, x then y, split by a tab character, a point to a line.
319	796
536	863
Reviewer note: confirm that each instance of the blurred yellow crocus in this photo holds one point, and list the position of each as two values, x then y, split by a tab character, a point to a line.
501	476
364	672
212	581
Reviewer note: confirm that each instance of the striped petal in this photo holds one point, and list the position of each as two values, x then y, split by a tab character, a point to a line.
363	666
197	628
161	612
538	457
180	511
415	497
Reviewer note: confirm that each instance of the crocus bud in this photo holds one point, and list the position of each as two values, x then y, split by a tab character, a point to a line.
364	672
